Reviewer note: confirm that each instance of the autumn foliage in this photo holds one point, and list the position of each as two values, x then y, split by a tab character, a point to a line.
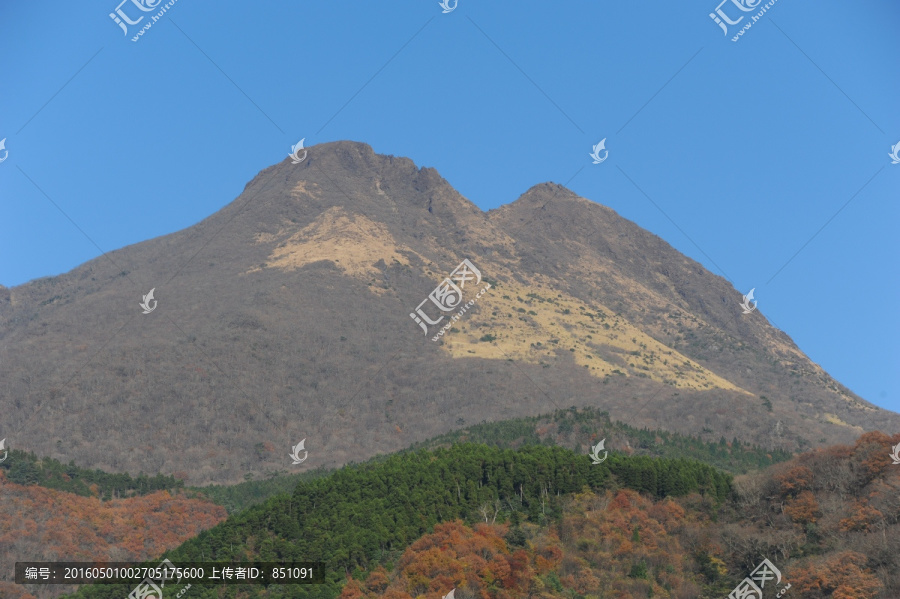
795	481
410	527
626	545
476	561
841	576
40	524
621	544
830	516
803	509
827	519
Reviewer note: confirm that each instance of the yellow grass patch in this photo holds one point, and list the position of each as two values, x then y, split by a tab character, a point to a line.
833	419
536	327
352	242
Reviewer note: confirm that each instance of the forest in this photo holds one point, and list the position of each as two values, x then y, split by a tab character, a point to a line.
544	522
573	428
576	428
521	516
363	516
27	469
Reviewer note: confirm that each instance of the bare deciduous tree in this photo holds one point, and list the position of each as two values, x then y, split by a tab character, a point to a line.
490	510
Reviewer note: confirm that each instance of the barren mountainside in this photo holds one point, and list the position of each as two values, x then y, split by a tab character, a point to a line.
286	316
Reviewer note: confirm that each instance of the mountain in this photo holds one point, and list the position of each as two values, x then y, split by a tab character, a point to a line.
285	316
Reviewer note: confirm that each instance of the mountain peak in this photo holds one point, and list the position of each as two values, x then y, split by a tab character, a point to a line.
298	290
347	153
545	190
351	175
555	199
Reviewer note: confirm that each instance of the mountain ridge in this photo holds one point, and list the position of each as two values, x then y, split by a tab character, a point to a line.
286	314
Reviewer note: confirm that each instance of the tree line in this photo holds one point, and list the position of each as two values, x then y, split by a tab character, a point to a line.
27	469
367	514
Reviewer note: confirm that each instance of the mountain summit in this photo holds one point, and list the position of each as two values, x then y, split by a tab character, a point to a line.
286	316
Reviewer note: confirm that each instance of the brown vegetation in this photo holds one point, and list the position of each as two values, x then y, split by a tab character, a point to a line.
829	520
39	524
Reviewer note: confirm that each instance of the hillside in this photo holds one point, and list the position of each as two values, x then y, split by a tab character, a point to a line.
553	525
571	429
28	469
40	524
286	316
168	500
577	429
363	515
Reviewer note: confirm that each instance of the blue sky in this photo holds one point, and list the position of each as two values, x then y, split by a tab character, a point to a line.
739	154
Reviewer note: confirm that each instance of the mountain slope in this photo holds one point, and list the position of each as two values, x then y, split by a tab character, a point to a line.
362	515
286	316
636	526
161	516
39	524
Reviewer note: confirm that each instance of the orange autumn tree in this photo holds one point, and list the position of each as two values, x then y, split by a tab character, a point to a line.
842	576
476	561
40	524
861	518
871	452
624	544
803	509
795	481
627	548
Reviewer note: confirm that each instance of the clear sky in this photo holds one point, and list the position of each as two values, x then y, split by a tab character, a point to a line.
765	159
